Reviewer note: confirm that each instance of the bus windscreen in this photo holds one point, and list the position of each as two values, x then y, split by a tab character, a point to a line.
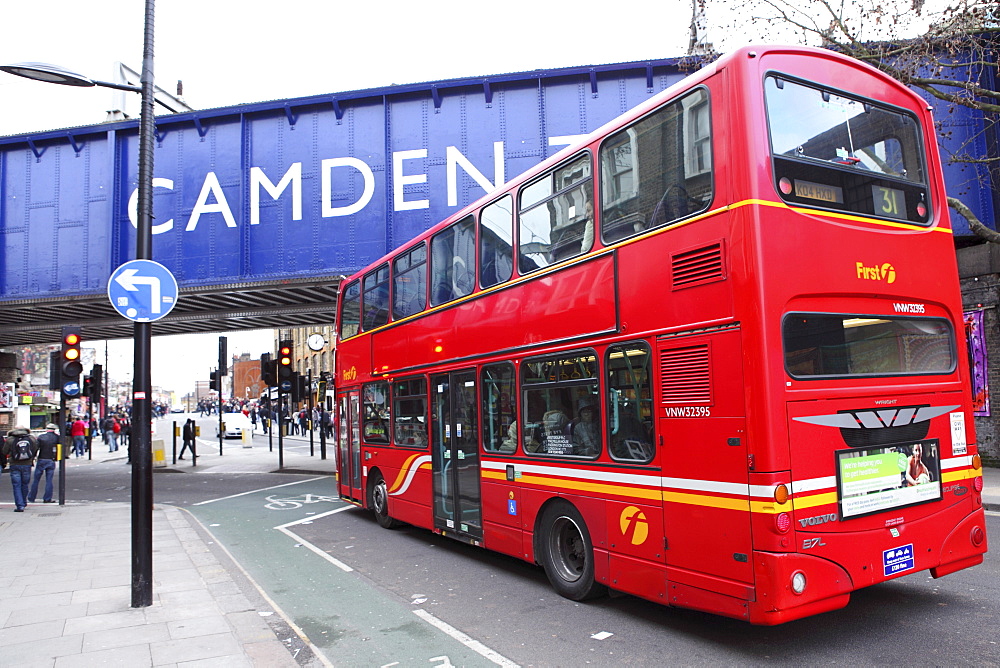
824	345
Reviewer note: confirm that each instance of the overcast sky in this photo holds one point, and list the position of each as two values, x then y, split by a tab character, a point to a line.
228	53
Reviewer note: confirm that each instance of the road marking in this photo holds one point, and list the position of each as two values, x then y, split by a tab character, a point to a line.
283	528
471	643
260	590
254	491
474	645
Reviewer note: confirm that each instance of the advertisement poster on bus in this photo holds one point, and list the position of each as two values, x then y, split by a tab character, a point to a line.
871	480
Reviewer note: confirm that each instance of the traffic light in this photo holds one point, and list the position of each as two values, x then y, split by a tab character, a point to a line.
71	365
96	378
55	371
88	387
296	387
267	371
303	387
285	360
213	381
223	362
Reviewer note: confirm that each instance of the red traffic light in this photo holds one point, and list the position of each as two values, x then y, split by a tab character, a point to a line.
285	359
71	367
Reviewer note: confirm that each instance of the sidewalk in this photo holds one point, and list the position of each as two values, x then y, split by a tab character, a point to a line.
65	590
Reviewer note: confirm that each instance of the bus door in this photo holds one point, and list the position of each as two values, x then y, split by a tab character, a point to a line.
455	454
349	446
702	424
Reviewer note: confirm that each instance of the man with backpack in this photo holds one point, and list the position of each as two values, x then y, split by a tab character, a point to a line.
19	450
48	450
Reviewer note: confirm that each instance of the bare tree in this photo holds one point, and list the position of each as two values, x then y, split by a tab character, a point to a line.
950	54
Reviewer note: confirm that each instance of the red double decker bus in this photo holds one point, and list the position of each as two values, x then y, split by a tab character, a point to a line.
709	357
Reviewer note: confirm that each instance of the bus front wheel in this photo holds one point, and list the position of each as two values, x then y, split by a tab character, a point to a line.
567	553
378	501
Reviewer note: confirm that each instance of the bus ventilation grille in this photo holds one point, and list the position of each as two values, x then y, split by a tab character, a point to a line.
685	375
698	266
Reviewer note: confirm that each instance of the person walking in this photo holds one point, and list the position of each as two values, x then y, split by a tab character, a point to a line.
114	430
19	450
48	450
78	430
187	433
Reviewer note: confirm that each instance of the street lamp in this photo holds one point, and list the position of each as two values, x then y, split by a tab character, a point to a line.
142	414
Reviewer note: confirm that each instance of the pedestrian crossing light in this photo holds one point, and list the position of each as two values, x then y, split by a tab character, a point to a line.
285	360
72	367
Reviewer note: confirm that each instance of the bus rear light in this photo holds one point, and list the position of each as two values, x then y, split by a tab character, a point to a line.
921	209
977	461
785	184
978	536
798	582
782	522
977	484
781	494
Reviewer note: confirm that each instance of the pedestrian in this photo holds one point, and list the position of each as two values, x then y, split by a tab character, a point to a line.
126	431
78	430
113	435
188	435
48	449
106	429
19	450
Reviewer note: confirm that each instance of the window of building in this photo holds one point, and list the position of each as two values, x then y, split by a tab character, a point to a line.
409	282
561	406
499	408
658	170
409	401
496	243
453	262
376	412
630	403
556	216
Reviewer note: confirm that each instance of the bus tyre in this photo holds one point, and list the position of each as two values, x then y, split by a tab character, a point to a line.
567	553
378	501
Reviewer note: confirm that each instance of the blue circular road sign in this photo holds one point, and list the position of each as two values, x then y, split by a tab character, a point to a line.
71	388
142	290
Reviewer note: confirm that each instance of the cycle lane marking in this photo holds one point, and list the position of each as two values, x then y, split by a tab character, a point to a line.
455	634
429	618
263	489
283	528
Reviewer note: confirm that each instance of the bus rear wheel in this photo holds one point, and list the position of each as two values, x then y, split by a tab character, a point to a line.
567	553
378	501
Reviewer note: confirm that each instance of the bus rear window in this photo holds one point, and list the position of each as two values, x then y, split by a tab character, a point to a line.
846	153
825	345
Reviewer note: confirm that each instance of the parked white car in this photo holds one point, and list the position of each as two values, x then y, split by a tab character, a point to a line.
235	424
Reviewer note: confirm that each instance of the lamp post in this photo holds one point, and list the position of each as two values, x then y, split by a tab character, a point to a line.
141	441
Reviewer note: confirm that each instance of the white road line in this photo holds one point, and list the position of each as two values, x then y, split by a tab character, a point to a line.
271	602
471	643
254	491
474	645
283	528
310	518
